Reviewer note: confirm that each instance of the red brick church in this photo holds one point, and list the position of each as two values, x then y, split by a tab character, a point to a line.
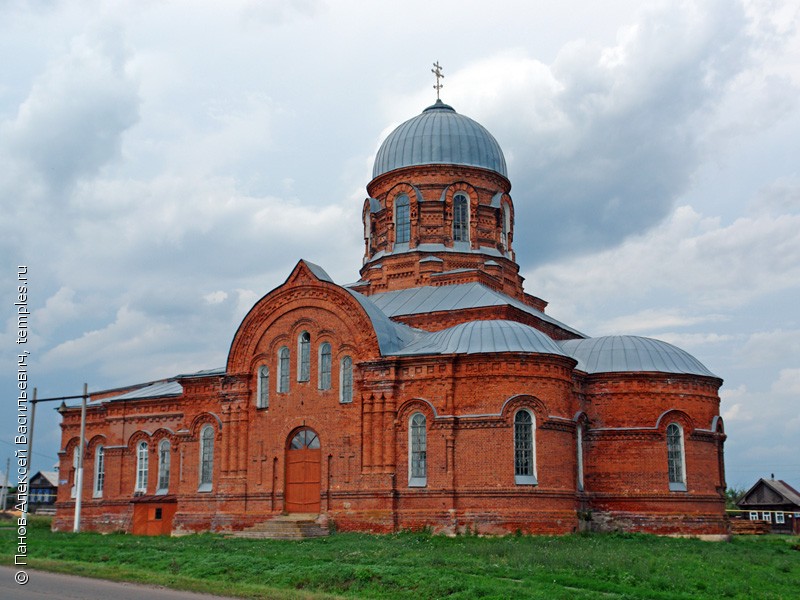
433	392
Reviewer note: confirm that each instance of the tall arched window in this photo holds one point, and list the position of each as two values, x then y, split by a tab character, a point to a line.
206	458
346	380
304	356
99	472
325	366
163	467
283	369
417	451
506	227
524	455
579	448
73	491
402	220
262	394
460	218
676	461
141	467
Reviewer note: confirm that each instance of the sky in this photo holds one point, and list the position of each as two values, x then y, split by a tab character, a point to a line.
165	164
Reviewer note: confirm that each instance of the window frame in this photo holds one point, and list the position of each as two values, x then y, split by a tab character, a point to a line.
142	466
325	370
206	462
346	380
461	218
677	478
304	357
780	519
99	472
766	516
417	450
525	475
284	365
262	387
402	229
163	467
579	451
754	515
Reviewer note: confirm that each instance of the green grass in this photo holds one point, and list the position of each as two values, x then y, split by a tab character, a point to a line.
418	565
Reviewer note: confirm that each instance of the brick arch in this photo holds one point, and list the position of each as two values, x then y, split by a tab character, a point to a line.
96	441
405	410
675	416
69	448
532	403
205	418
139	436
163	433
302	290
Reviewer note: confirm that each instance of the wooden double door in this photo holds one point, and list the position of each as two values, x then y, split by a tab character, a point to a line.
303	473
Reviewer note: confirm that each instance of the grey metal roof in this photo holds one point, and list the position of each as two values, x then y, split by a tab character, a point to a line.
204	373
477	337
439	136
460	247
50	476
318	271
630	353
391	336
459	296
158	389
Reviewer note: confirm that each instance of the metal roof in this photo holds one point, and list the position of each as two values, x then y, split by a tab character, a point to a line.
158	389
318	271
391	336
459	296
632	354
50	476
460	247
440	136
477	337
204	373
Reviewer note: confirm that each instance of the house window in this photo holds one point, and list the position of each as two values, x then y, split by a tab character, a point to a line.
325	366
283	369
346	380
141	467
754	516
767	516
206	458
779	519
99	472
262	394
73	492
524	456
417	451
460	218
579	447
675	458
304	357
402	220
163	467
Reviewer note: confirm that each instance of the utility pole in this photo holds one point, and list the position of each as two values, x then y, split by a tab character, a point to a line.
26	506
79	471
4	494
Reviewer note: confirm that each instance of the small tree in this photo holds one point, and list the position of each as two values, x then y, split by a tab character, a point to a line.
732	496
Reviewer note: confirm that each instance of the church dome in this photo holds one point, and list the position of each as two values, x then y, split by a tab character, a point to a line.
631	354
439	136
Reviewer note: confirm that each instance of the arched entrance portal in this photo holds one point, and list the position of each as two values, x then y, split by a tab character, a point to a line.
303	472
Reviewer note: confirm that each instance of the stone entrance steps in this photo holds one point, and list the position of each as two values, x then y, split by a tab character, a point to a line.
285	527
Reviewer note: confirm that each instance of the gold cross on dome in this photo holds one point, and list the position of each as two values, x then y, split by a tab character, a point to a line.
437	72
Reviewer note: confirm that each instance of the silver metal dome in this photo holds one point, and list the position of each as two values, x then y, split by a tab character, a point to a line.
439	136
631	354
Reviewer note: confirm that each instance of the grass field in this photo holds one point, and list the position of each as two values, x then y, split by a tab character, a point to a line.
418	565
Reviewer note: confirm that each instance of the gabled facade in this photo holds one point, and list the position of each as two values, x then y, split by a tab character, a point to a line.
775	501
433	392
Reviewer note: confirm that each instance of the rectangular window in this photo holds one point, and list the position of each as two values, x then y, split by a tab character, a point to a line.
460	219
403	233
779	518
767	516
99	472
754	516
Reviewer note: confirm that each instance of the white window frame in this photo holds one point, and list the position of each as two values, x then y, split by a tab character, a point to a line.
304	356
346	380
262	388
283	378
142	466
417	450
163	466
464	227
206	471
325	366
524	476
99	472
766	516
754	515
677	480
779	518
